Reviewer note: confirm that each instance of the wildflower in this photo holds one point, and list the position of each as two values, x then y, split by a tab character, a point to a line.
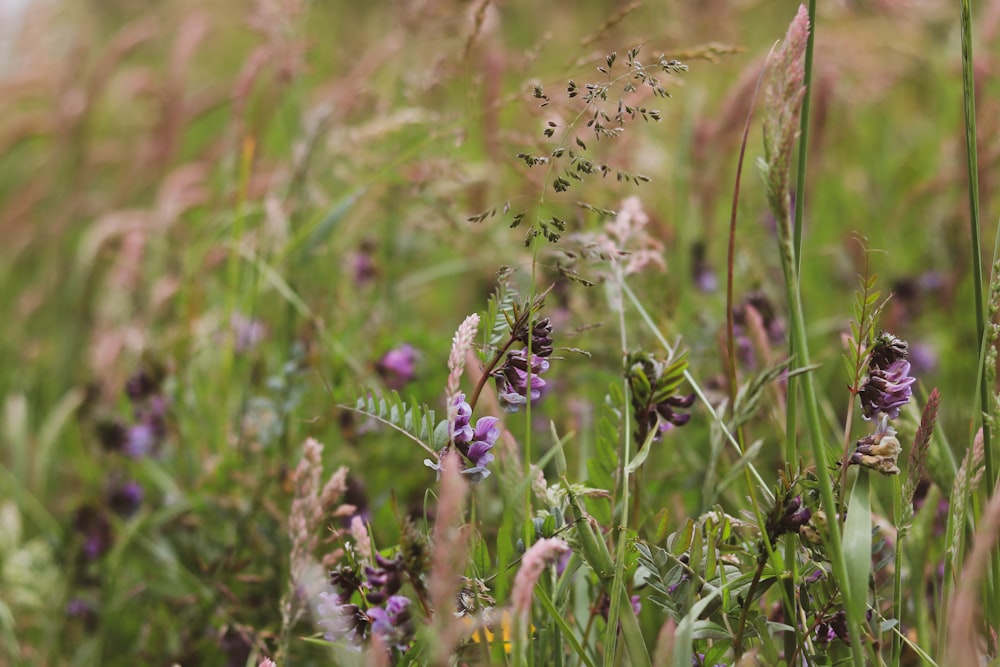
513	386
887	387
112	434
605	608
793	517
397	366
341	620
385	580
541	337
669	416
126	499
96	530
393	623
475	443
878	450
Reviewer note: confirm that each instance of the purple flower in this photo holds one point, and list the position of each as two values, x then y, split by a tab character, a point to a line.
126	499
670	417
793	517
140	441
393	623
385	580
474	443
541	337
341	621
887	390
512	380
96	531
397	366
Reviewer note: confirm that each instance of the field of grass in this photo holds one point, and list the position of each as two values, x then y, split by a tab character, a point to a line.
467	333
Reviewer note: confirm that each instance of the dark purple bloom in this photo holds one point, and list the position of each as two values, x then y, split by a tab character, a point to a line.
112	434
541	337
397	366
141	386
793	517
362	264
126	498
341	620
393	623
833	627
513	383
140	441
385	580
886	390
474	443
669	414
96	531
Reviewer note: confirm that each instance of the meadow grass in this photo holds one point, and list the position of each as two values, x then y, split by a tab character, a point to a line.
370	335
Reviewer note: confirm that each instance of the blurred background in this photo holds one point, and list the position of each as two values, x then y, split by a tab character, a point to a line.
238	209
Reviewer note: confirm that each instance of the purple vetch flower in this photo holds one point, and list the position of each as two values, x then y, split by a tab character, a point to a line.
793	517
669	414
397	366
474	442
513	383
541	337
340	620
140	441
385	580
94	527
126	498
393	622
833	627
886	390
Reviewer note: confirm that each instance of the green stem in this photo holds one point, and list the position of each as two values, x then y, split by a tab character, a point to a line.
816	440
969	98
897	575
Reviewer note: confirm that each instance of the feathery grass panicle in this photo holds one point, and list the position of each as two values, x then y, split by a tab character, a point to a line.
535	559
267	662
783	102
307	510
461	343
362	540
918	451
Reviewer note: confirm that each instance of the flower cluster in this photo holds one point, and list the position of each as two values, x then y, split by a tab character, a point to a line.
652	383
388	616
519	380
148	428
878	450
793	516
476	442
397	367
515	385
887	387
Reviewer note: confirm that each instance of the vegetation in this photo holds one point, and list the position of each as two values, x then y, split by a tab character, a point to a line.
499	333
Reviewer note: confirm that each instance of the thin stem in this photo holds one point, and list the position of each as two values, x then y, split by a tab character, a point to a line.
800	178
897	575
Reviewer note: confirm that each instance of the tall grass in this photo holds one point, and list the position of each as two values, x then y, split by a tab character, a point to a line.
239	422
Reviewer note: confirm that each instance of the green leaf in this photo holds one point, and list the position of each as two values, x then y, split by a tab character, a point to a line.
858	546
